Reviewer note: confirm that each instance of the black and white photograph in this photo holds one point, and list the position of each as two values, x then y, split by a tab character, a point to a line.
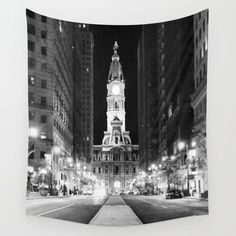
117	120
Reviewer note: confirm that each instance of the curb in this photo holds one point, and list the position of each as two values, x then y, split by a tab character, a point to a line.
47	197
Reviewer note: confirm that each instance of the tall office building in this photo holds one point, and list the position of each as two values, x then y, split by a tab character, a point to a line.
165	85
53	61
199	96
83	93
148	71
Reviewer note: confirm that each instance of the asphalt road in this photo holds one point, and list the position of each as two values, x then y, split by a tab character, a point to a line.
152	209
148	209
77	208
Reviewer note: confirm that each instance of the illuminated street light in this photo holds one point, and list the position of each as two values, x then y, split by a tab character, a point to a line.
181	145
70	160
33	132
57	150
30	169
43	171
193	143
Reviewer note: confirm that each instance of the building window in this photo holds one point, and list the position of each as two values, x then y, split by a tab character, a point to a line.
43	135
44	19
106	169
42	154
94	170
31	80
127	169
43	34
43	66
31	115
30	13
44	51
31	98
44	83
43	119
43	101
31	63
134	170
99	170
31	29
31	45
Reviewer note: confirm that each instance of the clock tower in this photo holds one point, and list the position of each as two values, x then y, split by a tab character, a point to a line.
116	133
115	162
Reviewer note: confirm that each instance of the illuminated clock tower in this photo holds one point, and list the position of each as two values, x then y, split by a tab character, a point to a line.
116	133
115	162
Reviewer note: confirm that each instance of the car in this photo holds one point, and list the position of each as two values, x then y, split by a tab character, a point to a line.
122	192
131	193
173	193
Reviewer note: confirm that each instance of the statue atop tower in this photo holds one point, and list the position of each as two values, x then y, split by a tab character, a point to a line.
115	72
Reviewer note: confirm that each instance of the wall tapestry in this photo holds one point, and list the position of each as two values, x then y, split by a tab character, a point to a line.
117	120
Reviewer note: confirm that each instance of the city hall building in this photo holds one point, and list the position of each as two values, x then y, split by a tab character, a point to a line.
115	162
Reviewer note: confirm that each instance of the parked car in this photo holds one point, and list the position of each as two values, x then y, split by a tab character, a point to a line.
131	193
173	193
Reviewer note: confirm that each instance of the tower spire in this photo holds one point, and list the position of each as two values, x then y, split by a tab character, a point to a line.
115	72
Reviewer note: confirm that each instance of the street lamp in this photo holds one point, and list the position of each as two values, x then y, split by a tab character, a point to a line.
181	146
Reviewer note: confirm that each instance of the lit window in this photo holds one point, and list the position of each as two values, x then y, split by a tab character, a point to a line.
43	135
31	80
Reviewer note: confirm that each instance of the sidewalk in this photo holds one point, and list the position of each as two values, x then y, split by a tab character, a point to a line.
115	212
36	195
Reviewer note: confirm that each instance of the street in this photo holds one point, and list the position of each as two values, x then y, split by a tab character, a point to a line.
80	208
102	209
151	209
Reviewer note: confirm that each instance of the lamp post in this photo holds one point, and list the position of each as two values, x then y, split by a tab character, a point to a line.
55	152
153	168
181	146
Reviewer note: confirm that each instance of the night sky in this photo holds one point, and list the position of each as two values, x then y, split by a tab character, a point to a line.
127	38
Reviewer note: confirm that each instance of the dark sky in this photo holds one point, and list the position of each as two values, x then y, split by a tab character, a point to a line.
127	38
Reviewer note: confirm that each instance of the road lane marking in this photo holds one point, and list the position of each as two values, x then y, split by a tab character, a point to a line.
164	207
57	209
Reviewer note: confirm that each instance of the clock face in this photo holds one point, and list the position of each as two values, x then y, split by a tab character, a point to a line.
115	89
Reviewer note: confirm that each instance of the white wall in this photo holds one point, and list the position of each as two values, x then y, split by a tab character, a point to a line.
221	110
